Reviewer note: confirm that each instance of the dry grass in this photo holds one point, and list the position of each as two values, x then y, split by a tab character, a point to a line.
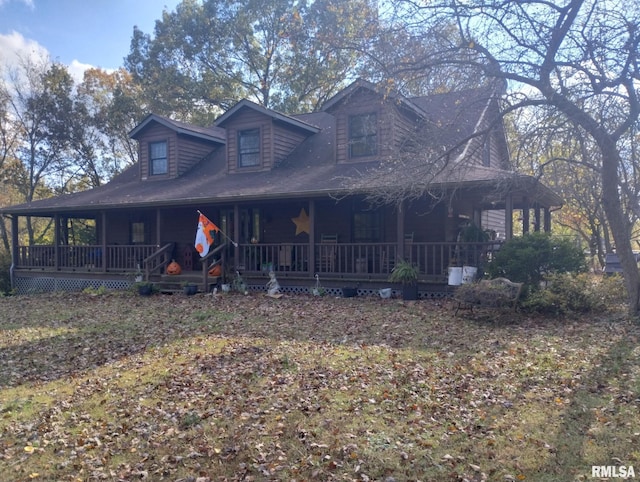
120	387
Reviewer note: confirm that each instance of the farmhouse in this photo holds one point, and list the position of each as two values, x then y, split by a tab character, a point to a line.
343	193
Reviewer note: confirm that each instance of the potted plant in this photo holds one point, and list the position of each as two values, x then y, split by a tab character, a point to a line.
189	288
144	288
406	274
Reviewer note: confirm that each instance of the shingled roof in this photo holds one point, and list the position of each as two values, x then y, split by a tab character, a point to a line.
309	170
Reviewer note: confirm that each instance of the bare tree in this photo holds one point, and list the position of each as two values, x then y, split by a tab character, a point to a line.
8	141
577	58
41	108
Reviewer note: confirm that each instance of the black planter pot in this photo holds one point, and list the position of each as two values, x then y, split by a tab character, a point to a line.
190	290
145	290
410	292
349	292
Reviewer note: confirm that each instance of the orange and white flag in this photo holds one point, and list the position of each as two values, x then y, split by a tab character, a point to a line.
204	235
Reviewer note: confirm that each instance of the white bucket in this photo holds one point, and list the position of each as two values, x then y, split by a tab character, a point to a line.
469	274
385	293
455	276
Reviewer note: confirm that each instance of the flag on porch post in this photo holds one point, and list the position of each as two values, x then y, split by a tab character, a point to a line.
204	235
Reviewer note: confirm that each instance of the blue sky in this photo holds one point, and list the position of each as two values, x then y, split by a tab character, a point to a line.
77	33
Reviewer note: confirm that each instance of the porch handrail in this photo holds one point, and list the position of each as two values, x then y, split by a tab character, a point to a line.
89	257
370	260
158	260
362	260
206	266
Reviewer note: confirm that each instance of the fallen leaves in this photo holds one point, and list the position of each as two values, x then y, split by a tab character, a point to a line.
243	388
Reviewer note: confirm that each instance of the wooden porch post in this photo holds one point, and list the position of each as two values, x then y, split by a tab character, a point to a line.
158	228
236	234
103	241
547	220
525	215
14	242
56	241
400	230
536	222
508	217
312	237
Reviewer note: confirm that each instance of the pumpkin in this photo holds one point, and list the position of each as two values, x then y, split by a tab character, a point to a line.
174	268
216	270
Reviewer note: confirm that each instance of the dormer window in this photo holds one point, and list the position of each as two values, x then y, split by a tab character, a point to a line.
363	135
158	163
249	148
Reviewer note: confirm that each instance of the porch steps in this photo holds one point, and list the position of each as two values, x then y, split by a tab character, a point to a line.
170	284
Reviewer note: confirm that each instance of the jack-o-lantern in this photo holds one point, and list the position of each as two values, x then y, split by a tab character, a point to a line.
215	271
174	268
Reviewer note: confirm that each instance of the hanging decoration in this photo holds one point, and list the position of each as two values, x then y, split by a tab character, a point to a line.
302	222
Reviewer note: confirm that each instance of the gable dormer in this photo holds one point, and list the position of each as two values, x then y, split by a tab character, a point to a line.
259	139
167	148
370	125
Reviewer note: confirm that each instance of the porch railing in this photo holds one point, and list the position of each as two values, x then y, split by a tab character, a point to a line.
86	257
363	259
156	262
293	258
359	260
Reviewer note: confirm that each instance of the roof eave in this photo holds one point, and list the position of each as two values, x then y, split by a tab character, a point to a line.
268	112
178	129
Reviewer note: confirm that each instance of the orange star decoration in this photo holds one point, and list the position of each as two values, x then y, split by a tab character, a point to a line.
301	222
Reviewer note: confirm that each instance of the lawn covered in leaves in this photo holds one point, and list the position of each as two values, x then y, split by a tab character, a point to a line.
119	387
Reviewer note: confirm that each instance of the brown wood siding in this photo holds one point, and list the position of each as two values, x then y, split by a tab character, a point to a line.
190	152
362	102
425	226
387	116
284	141
332	218
403	127
393	125
498	150
277	224
494	220
118	226
158	133
244	120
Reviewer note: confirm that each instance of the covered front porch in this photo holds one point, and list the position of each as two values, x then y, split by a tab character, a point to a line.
347	241
295	264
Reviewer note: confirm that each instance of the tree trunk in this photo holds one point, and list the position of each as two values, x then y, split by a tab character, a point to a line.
620	227
4	236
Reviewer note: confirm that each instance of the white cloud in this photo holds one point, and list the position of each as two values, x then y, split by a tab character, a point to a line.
28	3
77	68
14	48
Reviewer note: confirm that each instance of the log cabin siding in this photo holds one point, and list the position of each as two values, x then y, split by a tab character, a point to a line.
190	152
158	133
118	227
426	225
360	103
496	154
247	119
403	128
393	125
284	141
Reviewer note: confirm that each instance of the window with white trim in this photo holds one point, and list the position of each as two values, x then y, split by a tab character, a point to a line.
158	162
363	135
249	148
